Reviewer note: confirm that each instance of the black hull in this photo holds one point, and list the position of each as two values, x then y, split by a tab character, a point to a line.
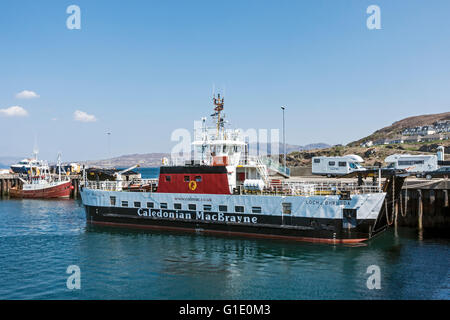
292	228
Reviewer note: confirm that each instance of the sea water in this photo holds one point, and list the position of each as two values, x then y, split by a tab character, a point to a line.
40	239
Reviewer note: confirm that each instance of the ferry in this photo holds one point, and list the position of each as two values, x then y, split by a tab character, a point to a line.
39	183
223	190
24	165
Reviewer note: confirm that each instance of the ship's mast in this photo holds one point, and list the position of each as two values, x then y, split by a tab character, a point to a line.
59	167
218	102
35	148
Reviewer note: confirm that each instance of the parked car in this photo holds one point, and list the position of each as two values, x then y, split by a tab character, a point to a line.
439	173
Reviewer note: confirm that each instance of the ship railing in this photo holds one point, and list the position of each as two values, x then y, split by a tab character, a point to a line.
267	161
104	185
119	185
141	181
248	160
181	161
311	189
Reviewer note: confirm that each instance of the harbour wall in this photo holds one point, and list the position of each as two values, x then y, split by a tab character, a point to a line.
424	205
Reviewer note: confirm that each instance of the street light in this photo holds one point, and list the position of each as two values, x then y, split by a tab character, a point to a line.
109	147
284	140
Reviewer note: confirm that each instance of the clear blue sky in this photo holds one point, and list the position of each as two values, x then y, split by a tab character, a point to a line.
145	68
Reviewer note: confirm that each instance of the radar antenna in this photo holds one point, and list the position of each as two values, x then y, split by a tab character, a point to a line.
218	102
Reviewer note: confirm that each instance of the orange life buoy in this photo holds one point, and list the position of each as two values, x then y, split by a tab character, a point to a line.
192	185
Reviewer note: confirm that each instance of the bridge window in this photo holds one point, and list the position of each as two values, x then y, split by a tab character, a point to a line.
163	205
186	179
198	178
137	204
409	162
223	208
167	178
207	207
150	205
256	209
112	201
239	209
192	206
124	203
287	207
177	206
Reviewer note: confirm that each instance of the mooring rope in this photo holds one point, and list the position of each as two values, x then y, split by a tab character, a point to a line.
386	207
393	197
401	203
386	212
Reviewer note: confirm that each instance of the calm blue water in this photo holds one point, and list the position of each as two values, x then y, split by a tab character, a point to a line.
39	239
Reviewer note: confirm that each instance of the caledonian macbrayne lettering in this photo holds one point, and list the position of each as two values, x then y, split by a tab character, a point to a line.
196	215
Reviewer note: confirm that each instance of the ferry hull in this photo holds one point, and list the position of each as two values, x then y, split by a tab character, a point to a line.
59	191
297	228
317	218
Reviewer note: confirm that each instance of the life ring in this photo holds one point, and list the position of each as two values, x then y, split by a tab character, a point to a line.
192	185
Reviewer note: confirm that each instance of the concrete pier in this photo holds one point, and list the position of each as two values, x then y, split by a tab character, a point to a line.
7	182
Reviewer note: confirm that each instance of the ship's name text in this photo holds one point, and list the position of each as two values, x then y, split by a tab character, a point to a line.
199	215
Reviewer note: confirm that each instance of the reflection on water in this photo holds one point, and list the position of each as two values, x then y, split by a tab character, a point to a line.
39	239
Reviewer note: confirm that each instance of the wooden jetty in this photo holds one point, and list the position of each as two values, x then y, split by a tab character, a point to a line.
424	204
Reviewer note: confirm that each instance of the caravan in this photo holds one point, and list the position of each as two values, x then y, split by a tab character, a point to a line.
337	166
413	163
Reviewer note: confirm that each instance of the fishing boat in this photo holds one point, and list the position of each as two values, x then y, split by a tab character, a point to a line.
39	183
223	190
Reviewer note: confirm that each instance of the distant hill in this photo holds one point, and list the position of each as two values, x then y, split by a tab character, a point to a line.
377	154
144	160
371	155
397	127
154	159
289	147
6	162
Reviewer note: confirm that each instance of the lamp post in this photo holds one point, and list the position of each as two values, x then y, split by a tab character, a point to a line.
284	139
109	147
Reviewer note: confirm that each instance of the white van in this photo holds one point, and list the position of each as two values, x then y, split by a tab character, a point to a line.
413	163
337	166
